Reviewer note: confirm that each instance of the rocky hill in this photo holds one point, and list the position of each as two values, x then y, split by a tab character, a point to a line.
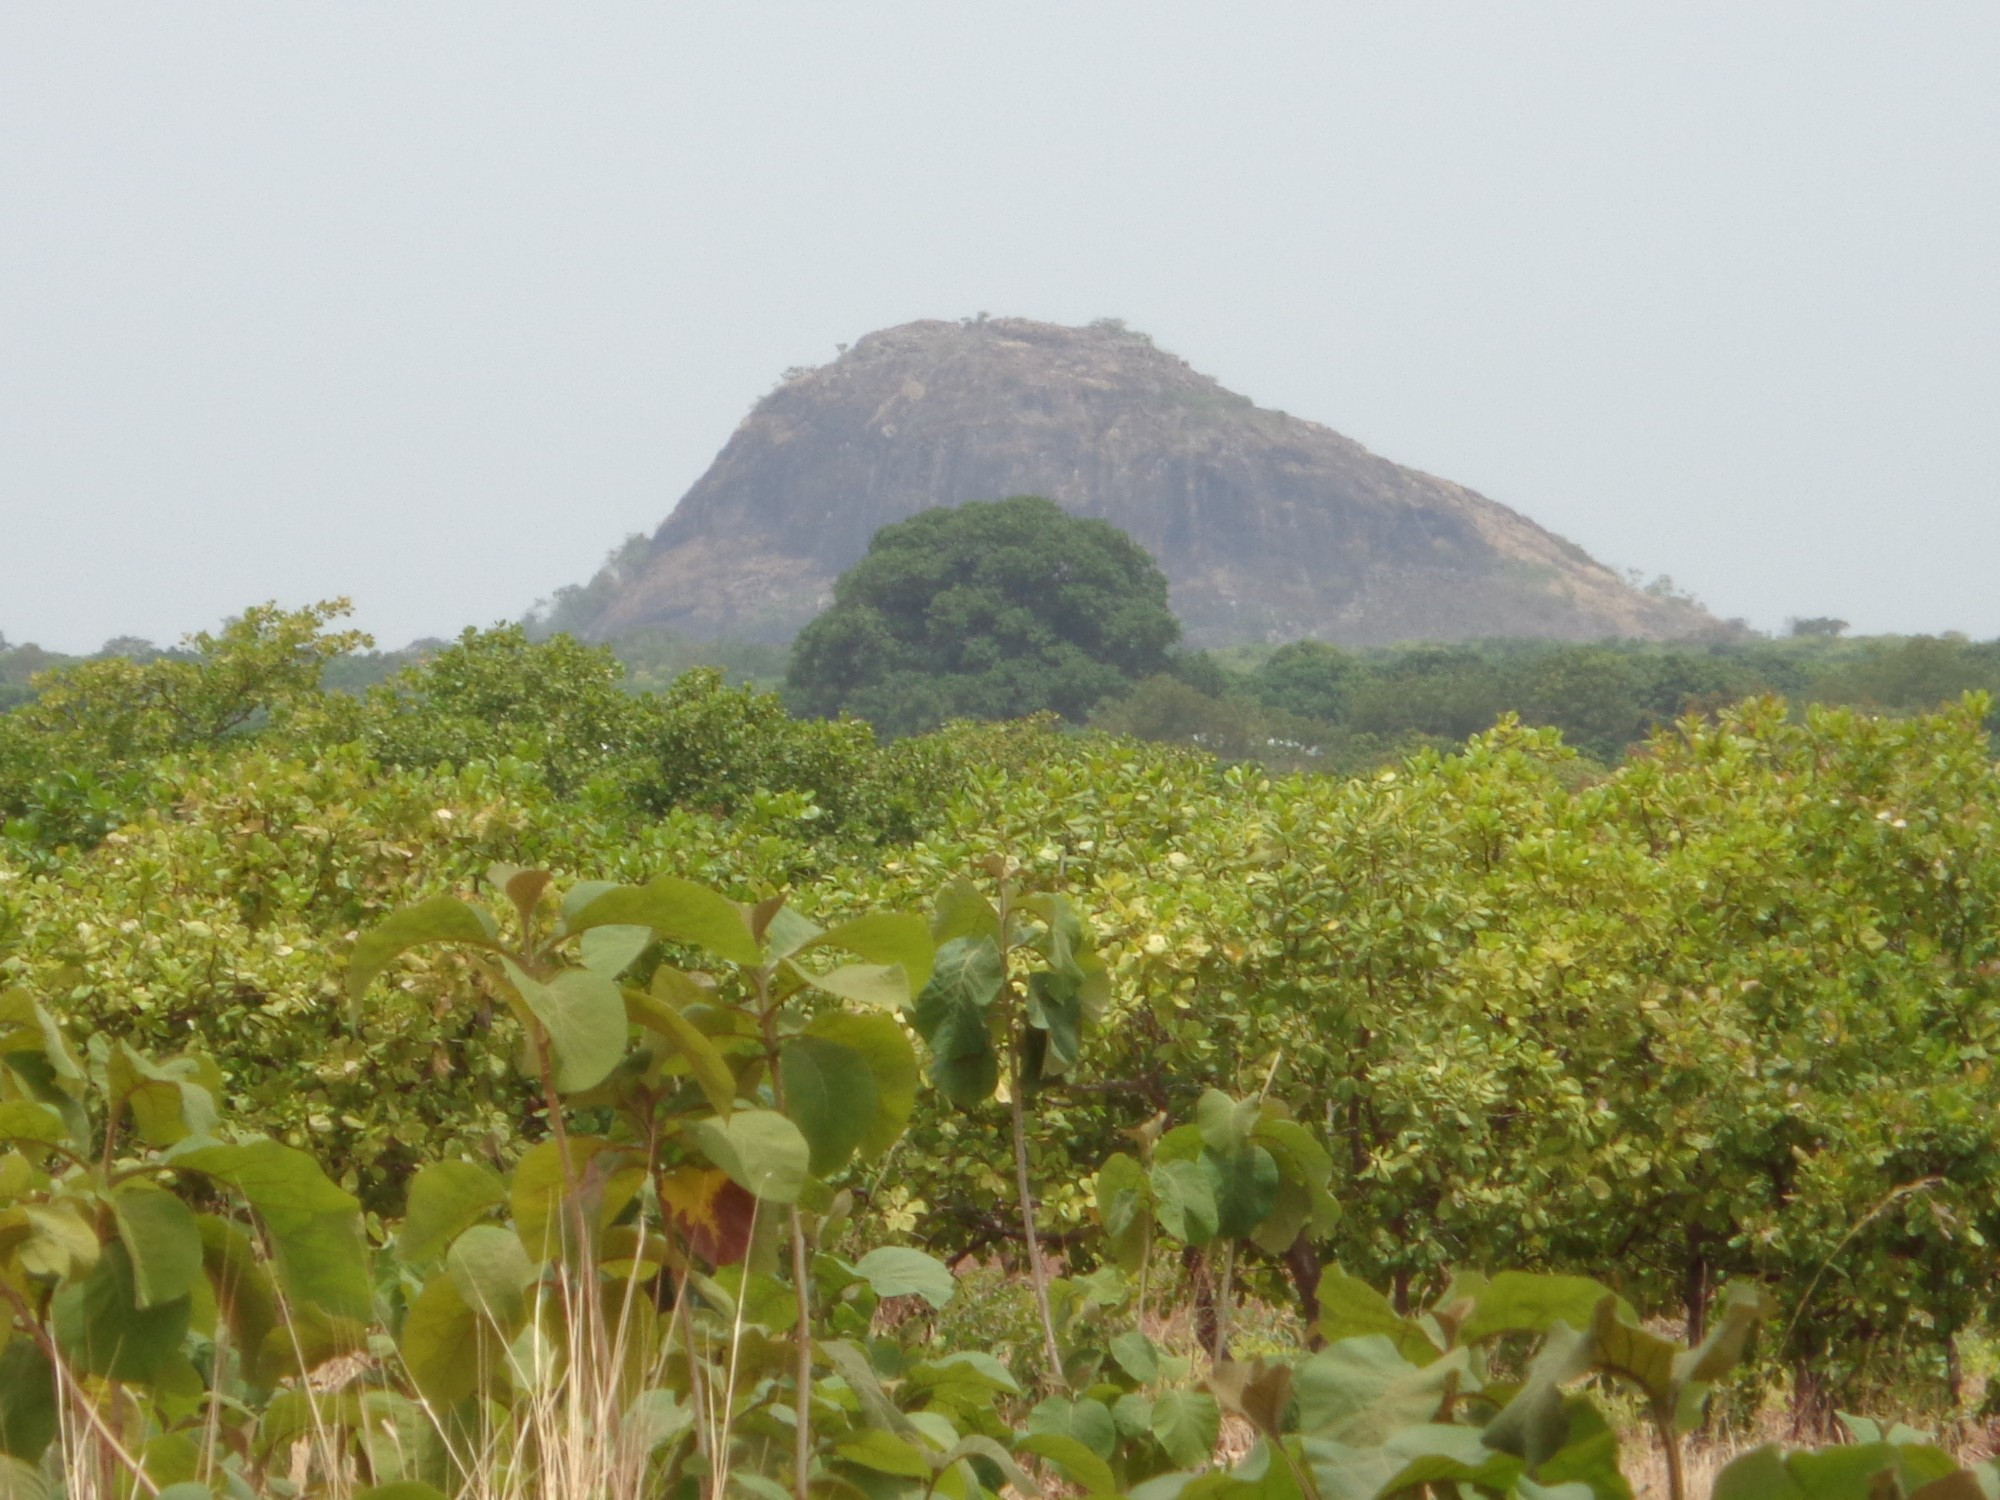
1268	527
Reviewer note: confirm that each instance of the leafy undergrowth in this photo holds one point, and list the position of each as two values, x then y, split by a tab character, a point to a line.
666	1294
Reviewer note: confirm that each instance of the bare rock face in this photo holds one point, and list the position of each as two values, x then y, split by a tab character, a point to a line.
1267	526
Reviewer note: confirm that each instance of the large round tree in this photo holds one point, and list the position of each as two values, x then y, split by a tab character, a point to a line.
990	611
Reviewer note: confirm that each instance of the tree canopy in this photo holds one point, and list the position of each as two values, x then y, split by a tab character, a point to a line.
992	610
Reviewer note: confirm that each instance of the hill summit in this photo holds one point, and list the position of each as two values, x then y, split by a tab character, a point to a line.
1268	527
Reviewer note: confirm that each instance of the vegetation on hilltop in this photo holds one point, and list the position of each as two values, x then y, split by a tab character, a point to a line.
994	610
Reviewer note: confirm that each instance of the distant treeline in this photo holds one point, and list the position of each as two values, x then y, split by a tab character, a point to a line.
1309	704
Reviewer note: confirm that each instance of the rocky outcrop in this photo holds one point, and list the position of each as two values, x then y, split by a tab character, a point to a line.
1268	527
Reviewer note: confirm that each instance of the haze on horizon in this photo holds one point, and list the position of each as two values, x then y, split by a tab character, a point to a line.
431	305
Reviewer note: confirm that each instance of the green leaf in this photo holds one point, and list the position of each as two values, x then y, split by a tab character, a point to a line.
885	1453
1085	1419
163	1240
1077	1462
492	1272
885	986
1361	1390
1184	1200
1125	1208
1645	1359
886	937
21	1481
852	1366
761	1151
892	1063
1743	1307
1225	1123
1055	1008
1136	1355
899	1271
1246	1191
402	1489
584	1014
24	1120
101	1326
1301	1158
446	1346
245	1295
315	1228
1188	1424
612	950
60	1242
950	1016
660	1012
441	919
963	913
27	1400
830	1096
445	1198
604	1177
677	911
169	1101
1350	1308
1529	1302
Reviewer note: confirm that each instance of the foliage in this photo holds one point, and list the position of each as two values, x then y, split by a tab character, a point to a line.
556	703
990	610
113	713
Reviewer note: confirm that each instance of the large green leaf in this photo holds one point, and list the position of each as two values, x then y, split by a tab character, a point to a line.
1743	1307
660	1011
584	1015
678	911
951	1017
169	1102
245	1295
1246	1190
1361	1390
761	1151
1225	1123
1055	1009
446	1198
1350	1308
963	913
1125	1208
161	1236
20	1480
900	1271
830	1096
27	1399
441	919
493	1273
603	1178
886	986
885	1046
1083	1418
1188	1425
1853	1471
886	937
1531	1302
24	1120
61	1240
610	951
884	1452
315	1227
102	1328
1074	1457
448	1348
1184	1200
1137	1355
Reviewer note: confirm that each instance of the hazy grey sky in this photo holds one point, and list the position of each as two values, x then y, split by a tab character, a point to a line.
431	304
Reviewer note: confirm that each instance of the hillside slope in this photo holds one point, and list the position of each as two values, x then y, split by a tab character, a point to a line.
1268	527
